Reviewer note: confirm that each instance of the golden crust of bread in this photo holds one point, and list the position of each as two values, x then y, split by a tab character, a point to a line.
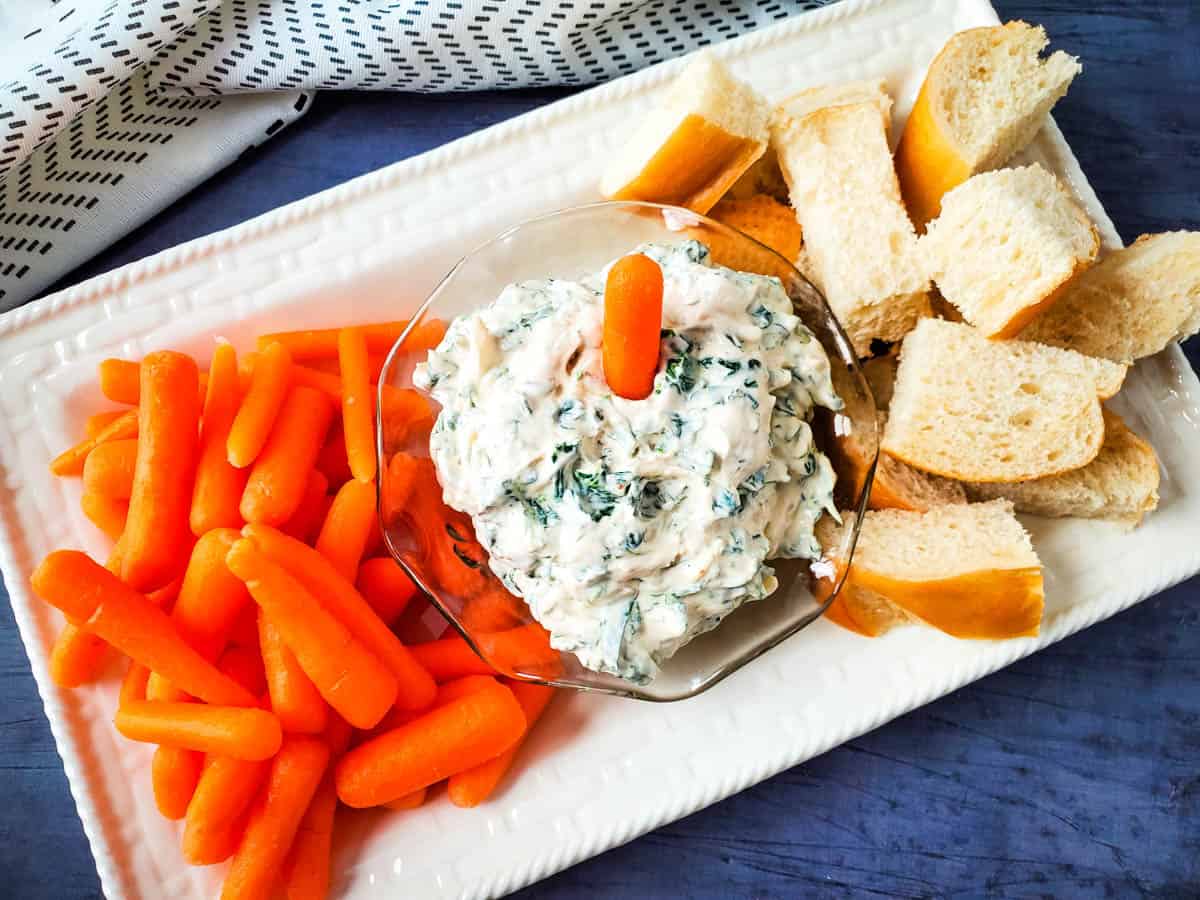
694	167
928	161
763	218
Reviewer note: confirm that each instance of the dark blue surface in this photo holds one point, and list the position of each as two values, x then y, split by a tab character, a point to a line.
1075	773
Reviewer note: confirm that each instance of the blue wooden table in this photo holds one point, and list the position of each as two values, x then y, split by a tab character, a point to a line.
1073	773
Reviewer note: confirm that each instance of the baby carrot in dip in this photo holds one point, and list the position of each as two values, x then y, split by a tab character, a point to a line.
347	527
350	678
106	513
312	509
473	786
457	736
219	484
294	698
97	600
358	422
157	531
256	415
633	297
275	817
108	470
215	814
70	462
174	774
279	478
322	579
101	420
385	586
237	731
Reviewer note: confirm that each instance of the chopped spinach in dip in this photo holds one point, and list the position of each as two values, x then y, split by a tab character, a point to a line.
631	526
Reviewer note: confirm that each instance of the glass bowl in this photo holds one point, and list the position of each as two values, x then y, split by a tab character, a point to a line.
439	551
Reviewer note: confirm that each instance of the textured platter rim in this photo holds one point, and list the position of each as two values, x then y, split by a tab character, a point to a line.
105	839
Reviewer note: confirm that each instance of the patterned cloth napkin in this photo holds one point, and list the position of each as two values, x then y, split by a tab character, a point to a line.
112	109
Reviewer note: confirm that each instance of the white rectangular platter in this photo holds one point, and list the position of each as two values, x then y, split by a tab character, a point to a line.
604	770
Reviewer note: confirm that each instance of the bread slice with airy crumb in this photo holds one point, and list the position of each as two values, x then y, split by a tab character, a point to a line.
973	409
1005	246
969	570
859	246
689	151
1121	483
985	96
1131	304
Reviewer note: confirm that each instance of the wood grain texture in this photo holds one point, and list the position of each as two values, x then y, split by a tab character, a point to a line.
1075	773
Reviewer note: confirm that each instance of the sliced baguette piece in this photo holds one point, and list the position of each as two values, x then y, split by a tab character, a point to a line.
1132	303
985	96
688	152
969	570
1121	483
859	246
974	409
763	218
875	91
865	612
1005	245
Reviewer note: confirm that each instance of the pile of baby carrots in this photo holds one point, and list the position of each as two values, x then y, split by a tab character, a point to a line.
261	617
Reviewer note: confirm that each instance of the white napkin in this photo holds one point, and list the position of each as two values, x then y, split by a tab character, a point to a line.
108	108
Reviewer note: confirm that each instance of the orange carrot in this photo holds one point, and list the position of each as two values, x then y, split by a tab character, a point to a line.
168	433
211	598
493	609
350	678
237	731
105	513
446	693
294	698
101	603
447	740
278	480
108	470
473	786
449	658
385	586
256	415
347	527
245	666
174	774
306	871
165	596
216	813
245	629
76	657
327	383
399	481
70	462
275	817
219	484
322	343
358	420
307	518
402	404
524	649
408	801
337	735
332	460
322	579
133	685
119	381
95	424
633	296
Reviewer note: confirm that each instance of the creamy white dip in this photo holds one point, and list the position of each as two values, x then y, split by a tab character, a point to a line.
631	526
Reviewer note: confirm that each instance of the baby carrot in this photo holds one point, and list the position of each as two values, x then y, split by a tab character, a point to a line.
211	597
219	484
347	527
245	628
157	531
108	470
106	513
76	657
332	460
306	871
461	687
216	813
275	817
256	415
322	343
358	420
350	678
493	609
279	477
385	586
312	509
294	698
633	296
399	478
101	603
522	649
174	774
447	740
245	666
326	382
237	731
96	423
119	381
70	462
473	786
408	801
449	658
339	597
133	685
